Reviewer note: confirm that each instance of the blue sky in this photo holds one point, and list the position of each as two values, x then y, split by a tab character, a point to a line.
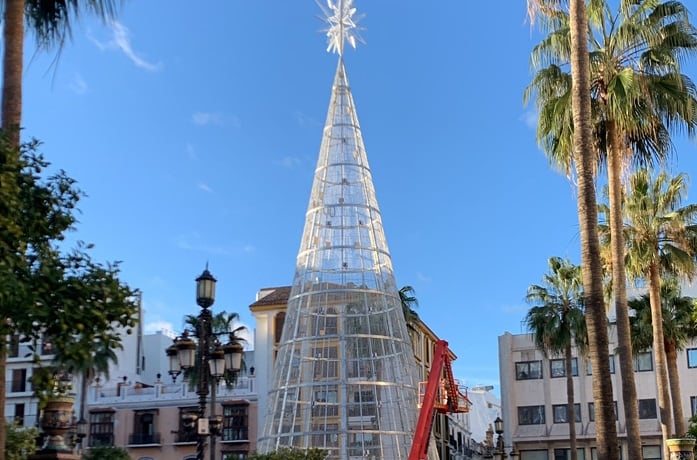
195	132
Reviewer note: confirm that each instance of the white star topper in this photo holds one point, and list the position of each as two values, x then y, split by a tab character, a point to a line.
343	26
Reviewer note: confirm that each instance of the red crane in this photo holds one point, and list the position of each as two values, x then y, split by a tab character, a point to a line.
441	395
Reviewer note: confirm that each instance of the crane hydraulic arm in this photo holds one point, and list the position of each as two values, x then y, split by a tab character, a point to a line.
441	395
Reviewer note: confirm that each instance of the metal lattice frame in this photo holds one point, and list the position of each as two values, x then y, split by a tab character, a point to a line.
345	375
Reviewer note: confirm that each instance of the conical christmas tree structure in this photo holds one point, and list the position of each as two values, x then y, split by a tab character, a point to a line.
344	379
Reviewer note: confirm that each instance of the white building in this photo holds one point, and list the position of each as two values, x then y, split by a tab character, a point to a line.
533	390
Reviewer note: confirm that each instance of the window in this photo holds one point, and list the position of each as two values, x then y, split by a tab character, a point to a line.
647	408
326	362
326	435
278	326
144	428
46	344
528	370
651	452
234	455
560	414
13	346
331	321
533	455
691	357
19	380
325	402
693	405
235	422
589	366
531	415
565	454
101	429
557	367
594	453
591	411
19	414
186	432
643	362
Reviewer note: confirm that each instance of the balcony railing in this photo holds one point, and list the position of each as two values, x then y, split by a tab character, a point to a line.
245	386
101	439
137	439
235	434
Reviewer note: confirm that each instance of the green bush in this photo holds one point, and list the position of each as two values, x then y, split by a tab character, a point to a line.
20	442
106	453
291	454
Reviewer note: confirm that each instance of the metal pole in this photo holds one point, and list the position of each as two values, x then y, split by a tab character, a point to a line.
204	333
214	384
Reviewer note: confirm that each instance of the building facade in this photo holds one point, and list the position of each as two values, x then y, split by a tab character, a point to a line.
533	389
149	419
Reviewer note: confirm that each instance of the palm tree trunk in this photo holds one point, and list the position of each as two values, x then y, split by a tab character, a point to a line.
11	113
570	412
598	342
675	393
662	385
619	289
13	39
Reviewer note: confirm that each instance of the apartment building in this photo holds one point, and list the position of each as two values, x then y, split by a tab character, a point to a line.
533	389
149	419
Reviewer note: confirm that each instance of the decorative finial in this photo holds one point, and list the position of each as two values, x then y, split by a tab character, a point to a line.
343	25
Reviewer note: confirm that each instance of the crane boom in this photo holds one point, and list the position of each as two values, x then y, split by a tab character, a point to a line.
441	395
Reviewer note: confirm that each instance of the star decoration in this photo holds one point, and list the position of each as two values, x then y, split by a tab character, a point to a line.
343	25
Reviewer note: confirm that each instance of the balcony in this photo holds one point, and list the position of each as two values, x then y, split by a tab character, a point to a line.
141	439
101	439
235	435
107	395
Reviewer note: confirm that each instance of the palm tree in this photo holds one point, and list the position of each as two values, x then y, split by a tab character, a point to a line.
579	147
88	359
638	95
557	322
661	238
50	22
407	296
222	323
679	327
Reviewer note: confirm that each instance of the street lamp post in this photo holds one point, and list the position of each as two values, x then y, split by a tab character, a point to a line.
209	360
500	451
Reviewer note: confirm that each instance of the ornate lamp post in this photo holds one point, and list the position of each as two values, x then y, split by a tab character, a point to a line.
208	358
500	451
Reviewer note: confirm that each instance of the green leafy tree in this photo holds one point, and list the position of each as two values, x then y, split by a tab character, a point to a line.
679	327
291	454
46	289
106	453
20	442
557	322
661	239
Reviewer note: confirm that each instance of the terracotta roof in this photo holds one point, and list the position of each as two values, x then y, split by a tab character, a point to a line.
278	296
